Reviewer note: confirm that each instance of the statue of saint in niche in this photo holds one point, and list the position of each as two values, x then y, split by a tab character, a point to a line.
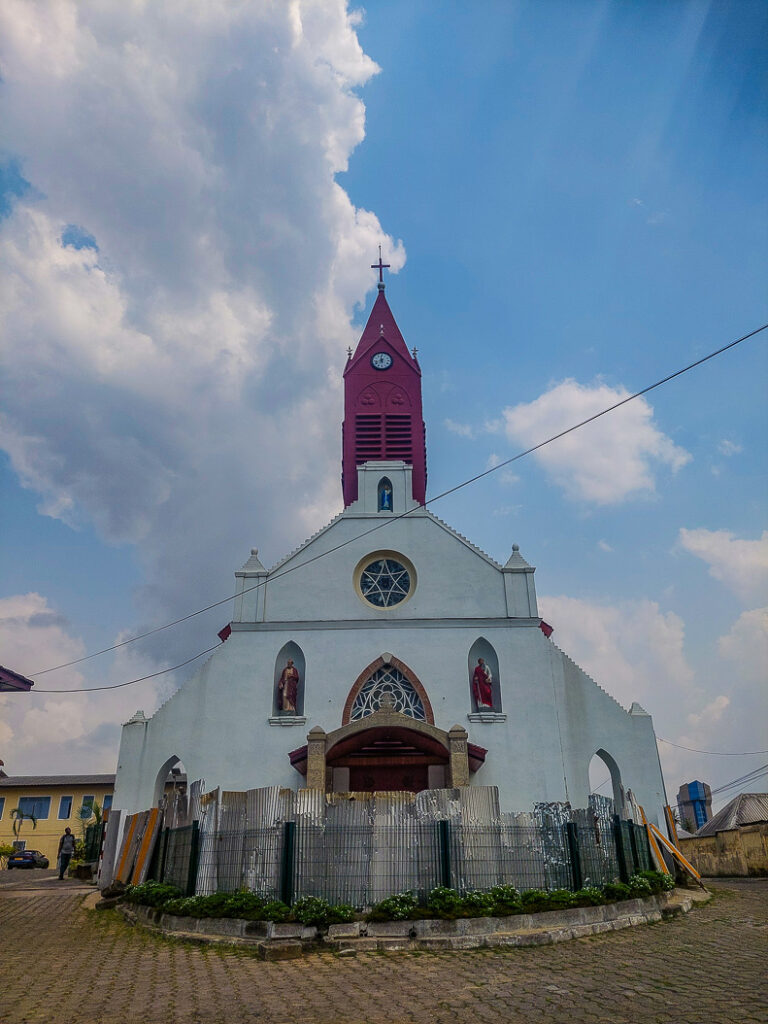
288	688
385	498
482	685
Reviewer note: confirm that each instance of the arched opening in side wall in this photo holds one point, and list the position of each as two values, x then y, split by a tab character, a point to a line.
605	779
171	790
289	684
483	661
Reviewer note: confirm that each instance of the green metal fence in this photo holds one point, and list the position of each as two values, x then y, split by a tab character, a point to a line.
360	865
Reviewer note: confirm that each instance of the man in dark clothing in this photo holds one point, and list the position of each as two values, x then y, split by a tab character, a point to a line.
66	850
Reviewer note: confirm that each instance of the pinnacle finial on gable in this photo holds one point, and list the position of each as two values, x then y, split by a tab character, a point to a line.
516	560
253	564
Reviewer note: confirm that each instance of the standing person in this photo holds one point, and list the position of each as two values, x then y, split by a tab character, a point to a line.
66	850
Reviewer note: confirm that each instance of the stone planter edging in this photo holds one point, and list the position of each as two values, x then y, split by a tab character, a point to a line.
278	941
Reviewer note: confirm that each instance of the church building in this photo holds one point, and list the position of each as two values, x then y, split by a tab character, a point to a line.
388	652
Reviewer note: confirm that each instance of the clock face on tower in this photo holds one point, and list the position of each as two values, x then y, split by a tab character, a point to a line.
381	361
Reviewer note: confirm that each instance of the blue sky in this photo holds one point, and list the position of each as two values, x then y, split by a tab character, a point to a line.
572	197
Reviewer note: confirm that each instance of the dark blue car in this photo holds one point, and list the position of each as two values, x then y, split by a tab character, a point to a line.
27	859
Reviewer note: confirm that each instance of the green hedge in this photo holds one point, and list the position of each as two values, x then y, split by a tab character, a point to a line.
500	901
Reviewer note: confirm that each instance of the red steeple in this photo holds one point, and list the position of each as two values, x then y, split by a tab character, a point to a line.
382	402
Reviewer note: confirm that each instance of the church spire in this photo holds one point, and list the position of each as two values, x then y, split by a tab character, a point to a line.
382	401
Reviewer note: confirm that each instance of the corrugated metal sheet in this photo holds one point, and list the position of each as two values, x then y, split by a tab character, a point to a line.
744	809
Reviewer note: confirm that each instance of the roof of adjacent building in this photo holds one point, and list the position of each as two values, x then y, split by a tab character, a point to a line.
10	680
744	809
57	780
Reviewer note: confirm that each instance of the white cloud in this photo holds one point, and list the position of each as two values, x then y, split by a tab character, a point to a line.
632	649
745	647
742	565
462	429
728	448
606	462
50	733
179	386
604	545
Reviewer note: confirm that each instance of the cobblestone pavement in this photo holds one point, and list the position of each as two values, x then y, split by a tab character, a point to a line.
64	964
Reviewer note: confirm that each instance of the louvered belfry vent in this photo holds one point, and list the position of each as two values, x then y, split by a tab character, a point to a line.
367	438
398	443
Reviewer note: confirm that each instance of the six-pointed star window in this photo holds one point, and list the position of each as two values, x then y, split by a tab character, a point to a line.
385	582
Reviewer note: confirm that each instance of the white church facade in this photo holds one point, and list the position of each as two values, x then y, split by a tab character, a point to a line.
388	653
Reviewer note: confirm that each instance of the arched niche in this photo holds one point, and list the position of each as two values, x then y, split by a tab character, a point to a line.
601	765
484	649
386	495
289	652
170	782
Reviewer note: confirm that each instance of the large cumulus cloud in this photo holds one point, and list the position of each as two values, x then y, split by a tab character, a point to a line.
175	378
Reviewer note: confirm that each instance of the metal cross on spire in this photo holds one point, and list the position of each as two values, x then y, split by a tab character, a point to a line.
381	267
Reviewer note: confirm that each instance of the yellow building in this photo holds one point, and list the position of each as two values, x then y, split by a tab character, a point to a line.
55	802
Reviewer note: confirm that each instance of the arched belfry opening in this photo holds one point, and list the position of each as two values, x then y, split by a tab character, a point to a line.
605	780
289	681
171	789
484	681
385	495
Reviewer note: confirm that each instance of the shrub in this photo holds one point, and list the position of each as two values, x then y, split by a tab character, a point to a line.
615	891
561	899
534	901
399	907
589	896
248	905
444	902
184	906
639	887
506	900
659	881
314	910
151	894
275	911
477	904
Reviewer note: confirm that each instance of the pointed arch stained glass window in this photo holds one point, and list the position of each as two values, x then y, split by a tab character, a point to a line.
390	686
385	582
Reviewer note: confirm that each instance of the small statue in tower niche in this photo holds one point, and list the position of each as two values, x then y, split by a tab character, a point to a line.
288	688
385	498
482	685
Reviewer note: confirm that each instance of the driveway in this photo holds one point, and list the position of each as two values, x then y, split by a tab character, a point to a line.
68	965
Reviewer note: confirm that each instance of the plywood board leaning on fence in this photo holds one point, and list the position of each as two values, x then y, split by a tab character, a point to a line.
146	846
676	853
134	833
655	851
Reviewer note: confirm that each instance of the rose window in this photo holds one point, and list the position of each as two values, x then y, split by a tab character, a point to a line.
389	689
385	582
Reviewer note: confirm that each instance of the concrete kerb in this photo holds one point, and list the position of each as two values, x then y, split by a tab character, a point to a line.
281	941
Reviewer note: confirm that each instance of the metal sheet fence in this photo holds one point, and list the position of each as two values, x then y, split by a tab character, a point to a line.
363	863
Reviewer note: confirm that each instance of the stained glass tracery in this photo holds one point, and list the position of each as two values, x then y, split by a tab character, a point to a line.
397	692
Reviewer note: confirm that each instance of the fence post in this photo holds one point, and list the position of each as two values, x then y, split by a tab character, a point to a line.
286	868
444	840
618	839
572	838
633	843
163	855
194	856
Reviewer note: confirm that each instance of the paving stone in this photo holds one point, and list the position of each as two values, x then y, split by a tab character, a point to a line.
705	967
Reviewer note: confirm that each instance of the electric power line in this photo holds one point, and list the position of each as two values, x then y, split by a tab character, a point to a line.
743	780
716	753
393	519
141	679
